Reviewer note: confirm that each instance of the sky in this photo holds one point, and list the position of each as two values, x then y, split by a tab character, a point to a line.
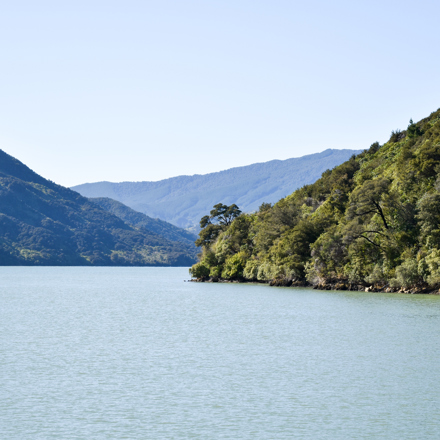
146	90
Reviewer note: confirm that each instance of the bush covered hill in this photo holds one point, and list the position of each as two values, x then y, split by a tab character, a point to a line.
42	223
183	200
139	220
372	222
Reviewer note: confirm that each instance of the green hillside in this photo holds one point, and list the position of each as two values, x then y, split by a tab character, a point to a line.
42	223
373	221
139	220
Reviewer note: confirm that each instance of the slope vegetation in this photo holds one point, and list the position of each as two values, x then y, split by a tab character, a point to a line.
139	220
42	223
372	222
183	200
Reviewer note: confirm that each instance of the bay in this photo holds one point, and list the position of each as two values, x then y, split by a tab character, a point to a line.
137	353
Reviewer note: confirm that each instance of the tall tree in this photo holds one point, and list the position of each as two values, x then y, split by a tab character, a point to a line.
219	218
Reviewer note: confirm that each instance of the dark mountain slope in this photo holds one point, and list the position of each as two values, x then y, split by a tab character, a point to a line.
42	223
139	220
183	200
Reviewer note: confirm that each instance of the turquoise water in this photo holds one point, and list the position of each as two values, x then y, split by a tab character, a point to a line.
136	353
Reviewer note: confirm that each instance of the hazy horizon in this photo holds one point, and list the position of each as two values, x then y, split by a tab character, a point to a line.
213	172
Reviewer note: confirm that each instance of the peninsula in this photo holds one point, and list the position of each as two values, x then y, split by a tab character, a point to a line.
372	223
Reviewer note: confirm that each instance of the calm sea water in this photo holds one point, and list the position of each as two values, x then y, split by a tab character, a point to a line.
136	353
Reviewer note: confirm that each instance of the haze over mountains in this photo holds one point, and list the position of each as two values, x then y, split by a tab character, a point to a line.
183	200
42	223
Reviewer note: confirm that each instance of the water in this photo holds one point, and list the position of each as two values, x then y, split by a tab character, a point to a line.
136	353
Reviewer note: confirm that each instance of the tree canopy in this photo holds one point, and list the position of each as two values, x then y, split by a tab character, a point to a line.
373	220
219	218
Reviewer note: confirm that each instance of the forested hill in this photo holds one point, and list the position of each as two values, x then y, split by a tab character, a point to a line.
183	200
139	220
42	223
372	222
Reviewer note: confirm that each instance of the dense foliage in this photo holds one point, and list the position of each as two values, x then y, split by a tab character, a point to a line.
183	200
42	223
372	221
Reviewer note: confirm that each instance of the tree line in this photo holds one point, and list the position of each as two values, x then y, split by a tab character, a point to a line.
374	220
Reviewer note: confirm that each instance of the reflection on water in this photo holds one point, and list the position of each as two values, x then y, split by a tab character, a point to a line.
136	353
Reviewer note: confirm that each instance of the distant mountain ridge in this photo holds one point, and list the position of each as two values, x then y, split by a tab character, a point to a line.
183	200
42	223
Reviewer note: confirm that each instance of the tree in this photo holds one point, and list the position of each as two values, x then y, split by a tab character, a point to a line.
429	219
413	130
396	135
224	214
208	235
369	199
374	147
218	219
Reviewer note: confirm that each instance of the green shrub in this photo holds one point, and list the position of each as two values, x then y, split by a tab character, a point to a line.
407	274
250	271
199	270
215	271
312	275
268	271
376	276
234	266
432	260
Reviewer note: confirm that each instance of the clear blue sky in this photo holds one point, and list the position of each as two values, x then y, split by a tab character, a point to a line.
144	90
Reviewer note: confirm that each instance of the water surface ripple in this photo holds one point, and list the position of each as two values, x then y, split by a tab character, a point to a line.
136	353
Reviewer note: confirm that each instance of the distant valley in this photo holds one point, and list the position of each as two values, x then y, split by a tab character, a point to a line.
183	200
42	223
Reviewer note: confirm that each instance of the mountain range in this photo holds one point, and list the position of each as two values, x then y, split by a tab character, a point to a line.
42	223
183	200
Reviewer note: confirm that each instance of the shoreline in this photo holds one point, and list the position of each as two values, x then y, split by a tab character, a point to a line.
337	286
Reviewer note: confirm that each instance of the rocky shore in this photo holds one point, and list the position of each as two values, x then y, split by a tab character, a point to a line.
334	285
